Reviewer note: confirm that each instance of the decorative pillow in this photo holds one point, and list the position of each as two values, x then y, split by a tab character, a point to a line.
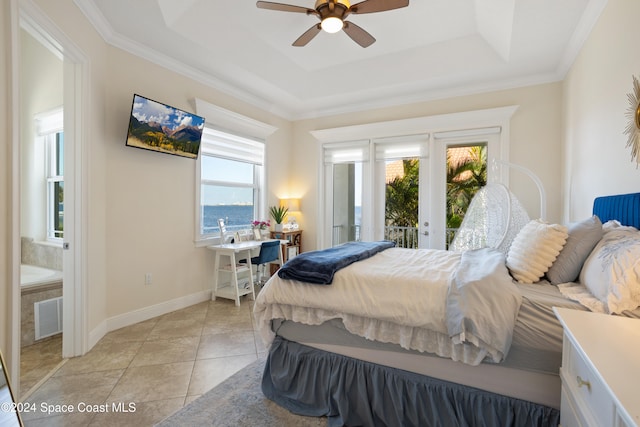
534	249
613	224
583	237
612	271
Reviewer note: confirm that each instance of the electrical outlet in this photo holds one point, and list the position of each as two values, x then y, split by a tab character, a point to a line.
148	279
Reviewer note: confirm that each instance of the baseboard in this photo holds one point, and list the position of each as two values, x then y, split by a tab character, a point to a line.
146	313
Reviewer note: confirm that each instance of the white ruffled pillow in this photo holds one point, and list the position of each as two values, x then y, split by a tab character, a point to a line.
612	271
534	250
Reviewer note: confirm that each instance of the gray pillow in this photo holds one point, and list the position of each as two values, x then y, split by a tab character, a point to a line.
583	237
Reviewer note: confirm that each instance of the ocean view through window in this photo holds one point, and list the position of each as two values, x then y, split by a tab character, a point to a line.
236	217
231	177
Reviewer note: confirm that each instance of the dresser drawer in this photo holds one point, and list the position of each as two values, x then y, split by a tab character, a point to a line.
590	395
569	415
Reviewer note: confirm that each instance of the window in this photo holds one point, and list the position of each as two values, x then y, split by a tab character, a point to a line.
50	135
231	182
55	186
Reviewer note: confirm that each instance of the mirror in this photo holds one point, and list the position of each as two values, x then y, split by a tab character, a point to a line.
9	415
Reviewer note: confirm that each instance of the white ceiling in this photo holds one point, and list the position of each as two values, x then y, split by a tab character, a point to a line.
428	50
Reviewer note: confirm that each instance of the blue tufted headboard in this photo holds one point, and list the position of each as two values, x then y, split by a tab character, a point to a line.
622	207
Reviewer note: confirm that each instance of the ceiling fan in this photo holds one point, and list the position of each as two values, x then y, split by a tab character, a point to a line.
332	15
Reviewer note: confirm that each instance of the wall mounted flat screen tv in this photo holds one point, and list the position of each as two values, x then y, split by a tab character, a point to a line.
158	127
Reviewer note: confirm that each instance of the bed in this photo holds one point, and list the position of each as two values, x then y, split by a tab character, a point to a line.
388	366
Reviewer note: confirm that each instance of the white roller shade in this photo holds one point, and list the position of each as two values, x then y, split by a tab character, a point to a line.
404	147
346	152
225	145
49	122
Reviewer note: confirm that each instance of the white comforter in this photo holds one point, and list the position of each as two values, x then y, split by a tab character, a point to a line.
397	296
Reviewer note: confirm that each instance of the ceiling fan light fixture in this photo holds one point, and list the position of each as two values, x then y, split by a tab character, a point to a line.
332	24
333	15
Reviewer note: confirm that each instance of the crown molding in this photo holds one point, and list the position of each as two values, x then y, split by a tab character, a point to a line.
97	19
581	33
297	109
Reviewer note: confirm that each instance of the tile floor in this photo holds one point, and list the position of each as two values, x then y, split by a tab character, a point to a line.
156	367
37	361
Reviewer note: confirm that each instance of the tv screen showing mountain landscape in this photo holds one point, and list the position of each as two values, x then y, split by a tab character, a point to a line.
159	127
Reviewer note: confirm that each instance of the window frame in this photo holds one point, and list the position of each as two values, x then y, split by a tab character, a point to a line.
52	156
257	185
48	126
232	123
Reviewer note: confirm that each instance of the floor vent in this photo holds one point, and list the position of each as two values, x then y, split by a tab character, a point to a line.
48	317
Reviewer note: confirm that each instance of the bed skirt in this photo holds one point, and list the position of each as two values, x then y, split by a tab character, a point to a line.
351	392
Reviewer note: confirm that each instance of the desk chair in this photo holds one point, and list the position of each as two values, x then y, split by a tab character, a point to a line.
268	253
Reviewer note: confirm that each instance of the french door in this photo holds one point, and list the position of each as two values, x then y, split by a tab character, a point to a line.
413	190
401	191
374	189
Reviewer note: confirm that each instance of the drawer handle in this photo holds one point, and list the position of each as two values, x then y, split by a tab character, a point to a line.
582	382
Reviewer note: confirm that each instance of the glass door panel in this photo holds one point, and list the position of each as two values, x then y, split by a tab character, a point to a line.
400	176
402	201
466	174
347	203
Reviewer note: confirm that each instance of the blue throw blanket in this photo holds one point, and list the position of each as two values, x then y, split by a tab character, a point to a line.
318	267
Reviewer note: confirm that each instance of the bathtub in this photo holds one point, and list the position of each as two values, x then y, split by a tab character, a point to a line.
32	276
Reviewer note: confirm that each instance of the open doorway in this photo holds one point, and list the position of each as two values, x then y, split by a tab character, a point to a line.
41	207
49	77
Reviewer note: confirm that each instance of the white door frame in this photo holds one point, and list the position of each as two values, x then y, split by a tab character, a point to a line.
438	161
76	83
437	124
422	144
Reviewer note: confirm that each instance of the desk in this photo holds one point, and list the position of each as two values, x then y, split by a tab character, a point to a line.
235	252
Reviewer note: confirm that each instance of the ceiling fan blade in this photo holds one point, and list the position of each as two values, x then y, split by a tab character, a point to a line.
358	35
285	7
371	6
307	36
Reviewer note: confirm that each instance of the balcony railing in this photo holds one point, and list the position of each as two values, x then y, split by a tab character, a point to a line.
404	237
343	233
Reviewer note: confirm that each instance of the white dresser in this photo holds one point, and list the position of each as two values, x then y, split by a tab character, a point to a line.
600	369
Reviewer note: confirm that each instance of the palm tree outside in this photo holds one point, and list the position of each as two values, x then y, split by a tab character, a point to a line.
466	174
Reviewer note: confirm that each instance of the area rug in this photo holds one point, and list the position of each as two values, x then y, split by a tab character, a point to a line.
238	401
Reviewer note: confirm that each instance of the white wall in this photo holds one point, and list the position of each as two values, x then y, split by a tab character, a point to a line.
150	209
595	102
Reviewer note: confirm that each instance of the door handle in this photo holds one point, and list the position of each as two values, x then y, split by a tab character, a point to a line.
426	223
426	233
